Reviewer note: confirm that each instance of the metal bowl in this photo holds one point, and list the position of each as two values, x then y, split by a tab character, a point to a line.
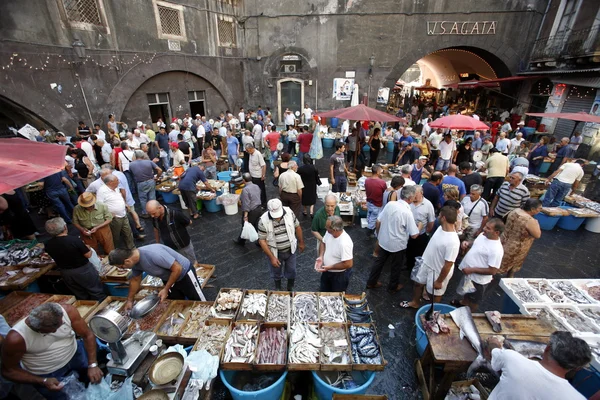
144	306
154	394
109	326
166	368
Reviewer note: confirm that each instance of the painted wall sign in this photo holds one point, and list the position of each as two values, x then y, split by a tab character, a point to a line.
461	27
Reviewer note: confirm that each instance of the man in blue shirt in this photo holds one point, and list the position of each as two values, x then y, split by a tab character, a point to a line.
187	187
162	140
431	189
477	142
233	148
451	180
54	187
561	155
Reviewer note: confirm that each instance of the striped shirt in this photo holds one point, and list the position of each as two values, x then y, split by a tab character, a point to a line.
280	232
510	199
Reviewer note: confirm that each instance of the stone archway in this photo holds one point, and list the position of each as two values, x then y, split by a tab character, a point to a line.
24	100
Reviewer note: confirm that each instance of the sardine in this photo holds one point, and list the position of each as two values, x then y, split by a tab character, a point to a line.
331	309
305	308
278	308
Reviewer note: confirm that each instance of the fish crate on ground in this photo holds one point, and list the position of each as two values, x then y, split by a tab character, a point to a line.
271	367
342	344
12	299
225	307
196	318
296	341
217	349
169	328
86	307
360	305
62	299
205	272
332	314
271	315
106	303
301	312
357	366
22	308
249	348
150	321
253	316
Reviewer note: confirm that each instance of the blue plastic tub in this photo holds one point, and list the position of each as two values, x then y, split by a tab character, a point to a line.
334	122
547	222
325	391
328	143
114	289
211	206
569	223
545	167
272	392
390	146
169	198
224	176
422	340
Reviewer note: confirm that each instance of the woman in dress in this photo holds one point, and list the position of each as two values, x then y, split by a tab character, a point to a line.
536	156
281	168
375	146
520	232
311	180
464	152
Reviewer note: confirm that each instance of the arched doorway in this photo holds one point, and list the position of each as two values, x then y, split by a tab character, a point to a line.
13	115
290	94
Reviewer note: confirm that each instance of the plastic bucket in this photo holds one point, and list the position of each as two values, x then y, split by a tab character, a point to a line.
421	339
211	206
545	167
169	198
272	392
390	146
325	391
224	176
593	225
328	143
334	122
231	209
114	289
546	222
569	223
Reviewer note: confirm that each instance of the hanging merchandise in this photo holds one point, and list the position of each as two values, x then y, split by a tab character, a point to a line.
316	147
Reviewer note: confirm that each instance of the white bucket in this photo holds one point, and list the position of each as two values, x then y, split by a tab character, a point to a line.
593	225
231	209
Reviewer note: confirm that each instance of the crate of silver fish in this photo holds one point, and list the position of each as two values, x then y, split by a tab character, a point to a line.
271	355
173	320
212	336
335	347
331	307
366	348
240	348
304	347
197	315
253	306
279	306
305	307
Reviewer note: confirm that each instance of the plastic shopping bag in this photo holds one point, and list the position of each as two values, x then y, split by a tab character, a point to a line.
414	274
72	388
465	286
95	260
248	232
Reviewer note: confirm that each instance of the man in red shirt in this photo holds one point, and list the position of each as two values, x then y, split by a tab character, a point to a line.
272	140
494	131
374	186
304	141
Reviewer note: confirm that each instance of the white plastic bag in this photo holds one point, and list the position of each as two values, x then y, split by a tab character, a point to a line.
95	260
465	286
416	269
203	366
248	232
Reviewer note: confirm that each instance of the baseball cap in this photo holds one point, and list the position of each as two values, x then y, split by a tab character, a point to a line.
140	123
198	115
275	208
174	144
423	158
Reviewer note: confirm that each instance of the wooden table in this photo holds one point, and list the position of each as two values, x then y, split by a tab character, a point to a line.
9	287
455	355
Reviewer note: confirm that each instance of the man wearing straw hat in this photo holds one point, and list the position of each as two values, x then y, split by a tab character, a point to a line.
92	219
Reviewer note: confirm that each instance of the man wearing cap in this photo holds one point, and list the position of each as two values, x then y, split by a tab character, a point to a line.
92	219
447	149
418	170
279	236
178	156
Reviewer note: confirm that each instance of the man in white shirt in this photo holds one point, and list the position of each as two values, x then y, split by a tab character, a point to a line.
200	133
574	143
482	262
132	141
110	195
564	180
335	257
307	113
424	215
503	144
524	379
289	119
99	132
106	151
242	115
438	260
140	137
394	226
447	149
506	128
515	143
89	150
476	209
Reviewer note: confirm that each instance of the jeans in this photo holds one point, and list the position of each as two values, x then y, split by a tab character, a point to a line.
78	363
146	191
556	193
372	213
340	184
442	164
287	268
62	202
130	181
301	158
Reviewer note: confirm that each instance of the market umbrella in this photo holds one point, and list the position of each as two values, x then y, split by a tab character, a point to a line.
578	116
23	161
459	121
361	113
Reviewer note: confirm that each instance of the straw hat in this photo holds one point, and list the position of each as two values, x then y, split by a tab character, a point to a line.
86	200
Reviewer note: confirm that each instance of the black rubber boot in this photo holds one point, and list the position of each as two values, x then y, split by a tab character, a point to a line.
290	285
278	285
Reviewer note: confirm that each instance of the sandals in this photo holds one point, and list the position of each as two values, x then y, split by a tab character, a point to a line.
406	304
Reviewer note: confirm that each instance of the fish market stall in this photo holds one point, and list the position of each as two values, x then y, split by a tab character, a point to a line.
22	263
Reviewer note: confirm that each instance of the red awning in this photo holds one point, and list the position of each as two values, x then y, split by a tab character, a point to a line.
23	161
581	116
361	113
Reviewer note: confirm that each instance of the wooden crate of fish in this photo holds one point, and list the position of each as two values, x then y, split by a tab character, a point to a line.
253	306
85	307
112	302
12	299
366	348
271	354
227	303
331	307
336	354
150	321
279	307
196	319
213	336
61	299
204	273
304	347
24	307
357	308
240	348
117	274
174	318
305	307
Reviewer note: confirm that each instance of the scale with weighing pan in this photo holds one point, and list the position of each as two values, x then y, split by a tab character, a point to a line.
110	326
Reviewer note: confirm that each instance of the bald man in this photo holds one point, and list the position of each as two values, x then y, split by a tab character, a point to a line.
170	228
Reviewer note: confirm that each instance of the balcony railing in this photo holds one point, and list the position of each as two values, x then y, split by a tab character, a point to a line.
570	44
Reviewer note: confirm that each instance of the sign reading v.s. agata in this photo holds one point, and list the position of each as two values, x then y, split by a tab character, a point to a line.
461	27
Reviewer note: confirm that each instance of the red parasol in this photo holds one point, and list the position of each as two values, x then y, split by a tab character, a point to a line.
361	113
23	161
459	121
578	116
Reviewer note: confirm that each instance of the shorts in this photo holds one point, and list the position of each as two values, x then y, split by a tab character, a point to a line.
477	295
426	276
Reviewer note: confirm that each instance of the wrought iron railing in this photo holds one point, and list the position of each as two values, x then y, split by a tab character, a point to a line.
572	43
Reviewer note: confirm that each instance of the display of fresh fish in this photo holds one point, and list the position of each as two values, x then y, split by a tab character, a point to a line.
524	292
358	311
578	322
254	306
364	346
116	305
335	348
543	287
331	309
547	317
198	315
571	292
172	325
464	320
227	303
305	344
278	309
526	348
495	319
241	344
272	346
305	308
592	313
437	323
212	339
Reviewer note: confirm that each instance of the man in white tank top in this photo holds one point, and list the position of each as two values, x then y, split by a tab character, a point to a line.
41	349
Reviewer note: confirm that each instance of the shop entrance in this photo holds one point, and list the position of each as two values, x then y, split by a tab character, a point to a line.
290	94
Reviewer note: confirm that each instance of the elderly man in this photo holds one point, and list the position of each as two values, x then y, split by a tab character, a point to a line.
72	260
438	260
515	143
482	262
251	206
176	271
394	226
477	142
92	219
319	222
170	227
110	195
424	215
451	180
503	144
42	349
143	172
512	194
477	210
497	167
563	181
523	378
106	151
258	169
187	187
405	172
335	257
280	236
374	188
290	188
562	153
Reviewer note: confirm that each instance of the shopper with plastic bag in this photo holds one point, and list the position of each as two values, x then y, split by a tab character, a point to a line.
480	264
75	390
251	210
